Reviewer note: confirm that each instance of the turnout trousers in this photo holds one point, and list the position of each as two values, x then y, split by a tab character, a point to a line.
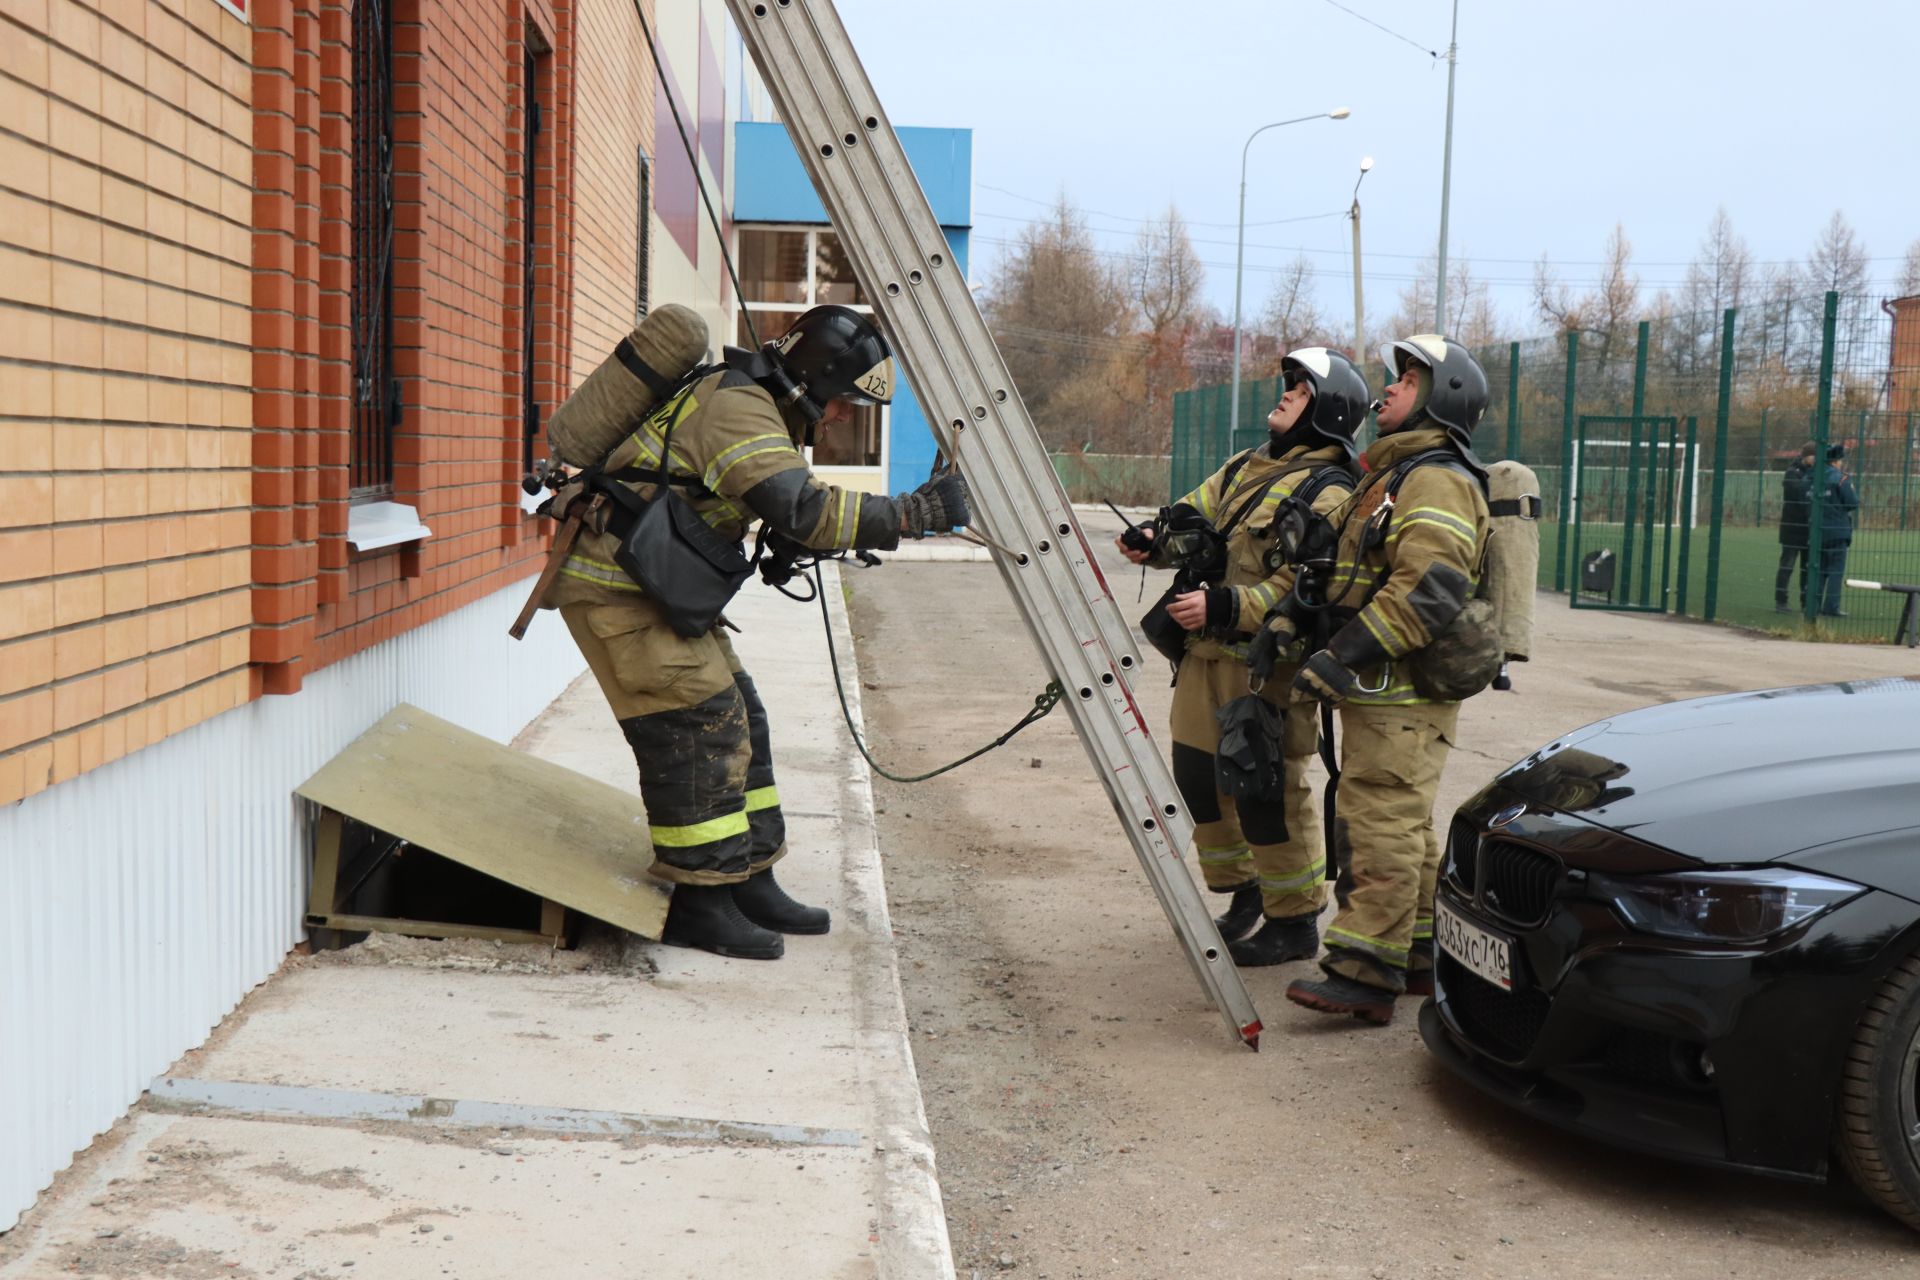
699	736
1390	763
1274	842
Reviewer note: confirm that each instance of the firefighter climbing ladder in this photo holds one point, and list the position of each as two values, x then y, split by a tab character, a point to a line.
888	230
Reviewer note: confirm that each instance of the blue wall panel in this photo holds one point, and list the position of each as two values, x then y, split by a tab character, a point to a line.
770	185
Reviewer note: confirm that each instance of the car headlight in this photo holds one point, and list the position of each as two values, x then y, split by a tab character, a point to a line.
1742	905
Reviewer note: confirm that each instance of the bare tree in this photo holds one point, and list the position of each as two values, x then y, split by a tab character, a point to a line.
1839	260
1057	307
1719	277
1909	282
1164	284
1607	313
1292	315
1473	321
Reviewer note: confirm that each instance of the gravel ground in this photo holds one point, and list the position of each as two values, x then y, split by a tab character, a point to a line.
1093	1116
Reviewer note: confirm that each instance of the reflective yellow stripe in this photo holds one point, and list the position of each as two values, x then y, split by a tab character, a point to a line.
739	453
1378	946
843	536
597	572
1390	639
708	832
1223	853
763	798
1438	519
1302	880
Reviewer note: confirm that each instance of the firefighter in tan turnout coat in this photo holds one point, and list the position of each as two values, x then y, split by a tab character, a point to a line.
691	715
1265	850
1410	549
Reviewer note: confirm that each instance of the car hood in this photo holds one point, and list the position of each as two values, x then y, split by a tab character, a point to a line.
1744	777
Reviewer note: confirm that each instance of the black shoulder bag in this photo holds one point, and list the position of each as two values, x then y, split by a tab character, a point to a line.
675	556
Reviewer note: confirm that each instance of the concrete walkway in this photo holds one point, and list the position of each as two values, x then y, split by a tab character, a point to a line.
472	1111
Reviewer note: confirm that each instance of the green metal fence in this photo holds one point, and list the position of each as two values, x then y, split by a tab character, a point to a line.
1758	383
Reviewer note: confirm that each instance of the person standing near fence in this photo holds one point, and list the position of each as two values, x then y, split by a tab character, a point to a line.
1796	488
1838	502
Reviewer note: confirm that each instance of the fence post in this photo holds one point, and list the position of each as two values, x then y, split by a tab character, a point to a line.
1566	466
1689	480
1721	406
1822	429
1513	400
1633	469
1906	472
1760	475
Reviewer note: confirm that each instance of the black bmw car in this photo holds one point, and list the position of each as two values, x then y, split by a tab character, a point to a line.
1694	930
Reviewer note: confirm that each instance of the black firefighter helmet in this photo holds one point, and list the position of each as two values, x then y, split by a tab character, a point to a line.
834	352
1458	396
1340	394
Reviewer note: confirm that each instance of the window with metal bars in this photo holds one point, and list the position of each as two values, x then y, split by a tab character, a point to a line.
530	232
376	394
643	241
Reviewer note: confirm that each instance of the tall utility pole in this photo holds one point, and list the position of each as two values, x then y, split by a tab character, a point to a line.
1359	313
1240	250
1446	176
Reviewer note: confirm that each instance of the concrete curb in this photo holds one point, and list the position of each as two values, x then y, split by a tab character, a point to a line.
912	1226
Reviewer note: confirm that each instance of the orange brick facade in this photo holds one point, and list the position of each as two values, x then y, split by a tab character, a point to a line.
175	337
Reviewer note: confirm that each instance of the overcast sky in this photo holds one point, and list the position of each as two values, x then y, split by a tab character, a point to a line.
1568	117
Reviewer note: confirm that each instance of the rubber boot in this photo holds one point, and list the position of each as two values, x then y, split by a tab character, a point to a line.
1419	982
1335	994
1280	939
764	902
705	916
1241	915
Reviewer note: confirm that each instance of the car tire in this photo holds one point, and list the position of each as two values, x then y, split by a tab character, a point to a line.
1877	1129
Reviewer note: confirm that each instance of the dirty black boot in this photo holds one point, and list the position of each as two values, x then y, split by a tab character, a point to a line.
1337	994
1241	915
1280	939
765	903
705	916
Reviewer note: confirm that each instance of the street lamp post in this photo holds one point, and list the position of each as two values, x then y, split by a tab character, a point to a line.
1446	177
1359	313
1240	249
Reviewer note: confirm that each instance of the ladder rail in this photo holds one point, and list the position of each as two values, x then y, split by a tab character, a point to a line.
900	255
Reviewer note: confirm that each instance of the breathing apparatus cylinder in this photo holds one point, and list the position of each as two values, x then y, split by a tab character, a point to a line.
628	385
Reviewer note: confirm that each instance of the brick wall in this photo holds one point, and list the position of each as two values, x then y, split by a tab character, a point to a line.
124	429
456	273
614	96
175	337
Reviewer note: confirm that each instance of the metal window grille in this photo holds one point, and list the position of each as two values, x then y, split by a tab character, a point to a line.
530	220
376	395
643	242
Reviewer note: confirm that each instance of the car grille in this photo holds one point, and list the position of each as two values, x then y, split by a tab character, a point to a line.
1510	881
1516	883
1505	1022
1463	846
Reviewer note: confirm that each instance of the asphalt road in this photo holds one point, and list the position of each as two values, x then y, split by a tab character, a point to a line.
1092	1116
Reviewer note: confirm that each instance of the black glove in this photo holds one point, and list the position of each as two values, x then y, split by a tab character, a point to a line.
1323	677
1277	635
938	506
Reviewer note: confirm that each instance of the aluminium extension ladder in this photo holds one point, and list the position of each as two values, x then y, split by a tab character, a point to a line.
888	230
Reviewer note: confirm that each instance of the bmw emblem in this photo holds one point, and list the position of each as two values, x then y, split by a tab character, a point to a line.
1505	816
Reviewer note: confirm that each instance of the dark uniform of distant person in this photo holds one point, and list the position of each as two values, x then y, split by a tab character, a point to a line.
1838	502
1266	851
690	713
1408	565
1795	511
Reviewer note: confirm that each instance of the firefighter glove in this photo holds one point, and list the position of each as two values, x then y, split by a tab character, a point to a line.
1323	677
1277	640
938	506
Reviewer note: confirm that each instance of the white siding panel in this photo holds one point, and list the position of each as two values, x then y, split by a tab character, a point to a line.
141	901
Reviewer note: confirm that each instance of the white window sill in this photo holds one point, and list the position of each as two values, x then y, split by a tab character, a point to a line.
373	525
530	502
